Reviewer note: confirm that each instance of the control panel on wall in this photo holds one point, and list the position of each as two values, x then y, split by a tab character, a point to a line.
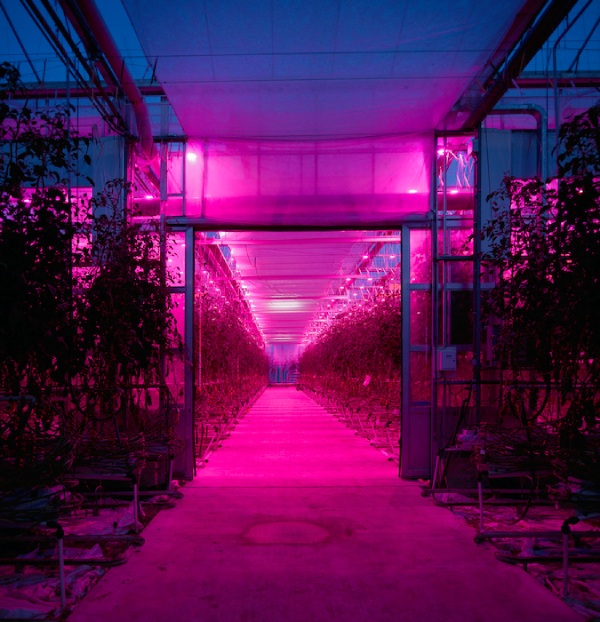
447	358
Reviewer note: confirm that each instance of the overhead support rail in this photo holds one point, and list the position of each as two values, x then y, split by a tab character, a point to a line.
60	90
566	80
100	73
498	77
200	224
89	25
67	50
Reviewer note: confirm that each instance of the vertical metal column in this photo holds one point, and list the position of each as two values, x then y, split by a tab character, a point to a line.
405	317
477	286
184	180
435	297
415	458
188	412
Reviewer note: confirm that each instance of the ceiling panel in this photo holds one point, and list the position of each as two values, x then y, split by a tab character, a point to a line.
288	275
317	68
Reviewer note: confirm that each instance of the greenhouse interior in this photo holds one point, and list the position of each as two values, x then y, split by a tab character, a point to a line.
299	310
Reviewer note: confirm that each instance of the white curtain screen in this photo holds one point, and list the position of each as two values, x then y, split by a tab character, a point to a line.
367	183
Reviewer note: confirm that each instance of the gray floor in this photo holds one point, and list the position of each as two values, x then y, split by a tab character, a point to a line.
296	519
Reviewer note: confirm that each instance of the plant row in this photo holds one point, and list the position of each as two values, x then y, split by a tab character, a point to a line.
354	366
233	365
545	253
85	309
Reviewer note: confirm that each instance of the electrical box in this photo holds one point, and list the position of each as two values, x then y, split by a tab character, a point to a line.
447	359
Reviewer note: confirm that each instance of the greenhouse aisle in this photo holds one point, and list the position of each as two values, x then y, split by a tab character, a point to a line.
296	519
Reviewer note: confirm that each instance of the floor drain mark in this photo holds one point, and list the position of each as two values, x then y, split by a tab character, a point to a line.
287	532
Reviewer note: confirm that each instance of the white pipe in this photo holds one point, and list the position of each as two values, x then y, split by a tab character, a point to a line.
98	29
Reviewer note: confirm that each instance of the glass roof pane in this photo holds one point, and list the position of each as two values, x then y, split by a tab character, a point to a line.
574	46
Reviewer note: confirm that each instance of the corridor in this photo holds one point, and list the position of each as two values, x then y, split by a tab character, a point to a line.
297	519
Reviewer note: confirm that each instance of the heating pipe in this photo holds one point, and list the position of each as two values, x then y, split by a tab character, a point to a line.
87	21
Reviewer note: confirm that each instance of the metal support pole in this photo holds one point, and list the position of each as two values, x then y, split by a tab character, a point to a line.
170	472
437	293
477	314
136	507
565	565
405	341
480	495
435	473
190	335
60	535
566	530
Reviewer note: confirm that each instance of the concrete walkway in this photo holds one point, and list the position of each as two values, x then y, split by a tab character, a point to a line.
296	519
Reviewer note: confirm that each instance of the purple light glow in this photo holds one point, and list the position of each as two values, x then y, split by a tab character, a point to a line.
361	180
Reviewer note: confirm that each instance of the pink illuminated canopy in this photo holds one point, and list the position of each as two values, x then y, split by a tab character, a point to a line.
320	69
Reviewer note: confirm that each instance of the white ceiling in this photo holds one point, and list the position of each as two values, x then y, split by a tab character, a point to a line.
317	68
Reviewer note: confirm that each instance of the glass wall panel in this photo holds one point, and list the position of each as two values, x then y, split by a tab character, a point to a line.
420	317
420	256
420	377
368	181
176	258
175	370
461	317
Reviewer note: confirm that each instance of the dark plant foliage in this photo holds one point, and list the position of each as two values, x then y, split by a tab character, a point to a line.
229	353
125	327
233	365
365	341
84	302
38	153
545	249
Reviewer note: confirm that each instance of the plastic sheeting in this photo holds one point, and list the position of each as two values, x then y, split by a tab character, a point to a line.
321	69
374	183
